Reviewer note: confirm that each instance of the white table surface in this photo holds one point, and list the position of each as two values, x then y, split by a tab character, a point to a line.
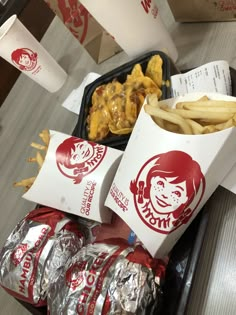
29	108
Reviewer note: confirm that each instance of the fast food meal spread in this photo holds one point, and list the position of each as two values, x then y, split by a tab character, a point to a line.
107	278
35	251
115	106
112	268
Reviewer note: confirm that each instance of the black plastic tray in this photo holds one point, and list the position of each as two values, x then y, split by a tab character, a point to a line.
120	73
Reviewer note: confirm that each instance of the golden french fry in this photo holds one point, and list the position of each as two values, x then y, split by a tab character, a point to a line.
193	114
25	182
228	124
169	116
196	127
215	103
209	129
38	146
39	159
45	136
170	126
152	100
159	122
201	99
122	131
164	106
218	127
210	108
31	159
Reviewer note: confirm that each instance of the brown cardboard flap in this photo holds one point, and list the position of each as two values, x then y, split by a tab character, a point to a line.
102	47
92	36
203	10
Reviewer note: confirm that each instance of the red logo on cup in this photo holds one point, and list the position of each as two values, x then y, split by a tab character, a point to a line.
146	4
18	254
167	190
77	158
24	58
74	275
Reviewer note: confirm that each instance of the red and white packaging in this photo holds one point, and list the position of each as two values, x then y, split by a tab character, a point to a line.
21	49
75	177
108	278
171	179
33	254
142	29
90	34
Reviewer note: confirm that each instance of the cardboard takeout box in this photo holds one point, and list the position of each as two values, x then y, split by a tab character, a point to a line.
75	177
92	36
170	177
202	10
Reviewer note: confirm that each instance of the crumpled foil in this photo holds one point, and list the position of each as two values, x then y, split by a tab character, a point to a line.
34	253
100	279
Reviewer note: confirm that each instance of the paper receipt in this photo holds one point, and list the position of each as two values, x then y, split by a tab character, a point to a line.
211	77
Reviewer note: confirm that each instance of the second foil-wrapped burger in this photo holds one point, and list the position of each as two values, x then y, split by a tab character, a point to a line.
107	278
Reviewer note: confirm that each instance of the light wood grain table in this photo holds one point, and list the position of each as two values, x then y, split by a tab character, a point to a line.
29	108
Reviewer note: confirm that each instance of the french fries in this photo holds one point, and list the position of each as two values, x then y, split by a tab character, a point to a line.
193	118
170	117
38	159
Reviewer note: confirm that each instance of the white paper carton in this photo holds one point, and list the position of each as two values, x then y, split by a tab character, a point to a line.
22	50
75	177
164	178
135	25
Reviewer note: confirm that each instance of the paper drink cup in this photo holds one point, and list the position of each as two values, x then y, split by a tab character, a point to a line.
21	49
136	25
170	178
75	177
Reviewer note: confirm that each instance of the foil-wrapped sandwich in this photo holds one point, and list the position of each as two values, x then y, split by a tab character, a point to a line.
108	277
35	251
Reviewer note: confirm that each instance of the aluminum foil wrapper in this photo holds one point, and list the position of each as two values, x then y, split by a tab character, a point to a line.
105	279
35	252
90	229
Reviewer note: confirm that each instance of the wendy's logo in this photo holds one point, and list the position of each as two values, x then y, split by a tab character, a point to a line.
24	59
18	254
74	275
77	158
146	4
167	190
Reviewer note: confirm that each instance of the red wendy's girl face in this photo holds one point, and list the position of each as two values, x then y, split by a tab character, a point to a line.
166	196
82	152
25	60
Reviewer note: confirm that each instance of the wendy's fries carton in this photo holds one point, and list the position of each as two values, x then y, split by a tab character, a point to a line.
165	178
75	177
